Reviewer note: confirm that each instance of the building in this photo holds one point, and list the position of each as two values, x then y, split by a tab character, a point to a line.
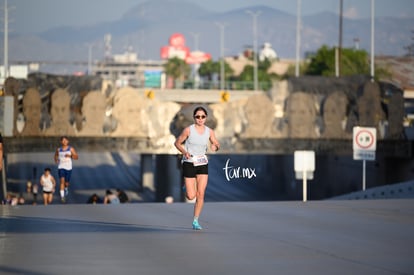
127	70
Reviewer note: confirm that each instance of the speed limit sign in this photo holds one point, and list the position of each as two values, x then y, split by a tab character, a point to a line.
364	145
364	139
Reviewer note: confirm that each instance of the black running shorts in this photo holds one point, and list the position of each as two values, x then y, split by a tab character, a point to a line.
190	171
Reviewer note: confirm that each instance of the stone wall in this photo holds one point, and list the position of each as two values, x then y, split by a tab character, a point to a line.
299	108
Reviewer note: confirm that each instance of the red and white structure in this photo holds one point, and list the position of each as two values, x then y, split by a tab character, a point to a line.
177	48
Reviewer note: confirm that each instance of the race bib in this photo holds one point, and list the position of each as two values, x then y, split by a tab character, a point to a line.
200	160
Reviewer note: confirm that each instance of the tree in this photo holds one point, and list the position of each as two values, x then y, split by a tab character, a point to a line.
228	71
177	68
353	62
323	63
263	76
208	68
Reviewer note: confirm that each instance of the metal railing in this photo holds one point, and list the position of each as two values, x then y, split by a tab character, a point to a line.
215	85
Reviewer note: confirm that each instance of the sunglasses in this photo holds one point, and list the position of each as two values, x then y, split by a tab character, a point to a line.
200	117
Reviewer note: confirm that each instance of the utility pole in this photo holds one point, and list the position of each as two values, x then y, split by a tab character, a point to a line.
195	37
338	73
196	66
255	76
90	46
298	29
222	76
372	39
6	41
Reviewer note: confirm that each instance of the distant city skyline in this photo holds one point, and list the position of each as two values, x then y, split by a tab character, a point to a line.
41	15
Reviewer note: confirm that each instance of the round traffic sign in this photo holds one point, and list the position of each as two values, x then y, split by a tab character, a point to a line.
364	139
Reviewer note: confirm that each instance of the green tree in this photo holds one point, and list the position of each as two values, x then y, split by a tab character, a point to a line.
208	68
177	69
228	71
323	63
352	62
247	74
264	65
263	77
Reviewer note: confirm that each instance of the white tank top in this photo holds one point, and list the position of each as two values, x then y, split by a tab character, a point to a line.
65	162
47	183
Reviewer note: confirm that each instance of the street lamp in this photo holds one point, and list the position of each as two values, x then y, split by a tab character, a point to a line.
221	26
298	28
339	63
372	38
197	65
90	58
254	16
6	41
195	37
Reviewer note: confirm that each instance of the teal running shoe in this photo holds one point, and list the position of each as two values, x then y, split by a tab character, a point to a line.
196	225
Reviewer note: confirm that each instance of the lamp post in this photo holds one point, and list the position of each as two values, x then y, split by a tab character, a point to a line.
221	26
197	65
338	68
372	39
254	16
6	41
195	37
90	59
298	28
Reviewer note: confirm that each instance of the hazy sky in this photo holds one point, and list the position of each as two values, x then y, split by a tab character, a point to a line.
27	16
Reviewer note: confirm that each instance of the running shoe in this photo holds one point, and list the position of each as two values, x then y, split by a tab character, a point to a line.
63	199
66	191
196	225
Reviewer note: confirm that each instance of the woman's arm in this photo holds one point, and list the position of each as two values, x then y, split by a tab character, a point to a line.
215	145
180	140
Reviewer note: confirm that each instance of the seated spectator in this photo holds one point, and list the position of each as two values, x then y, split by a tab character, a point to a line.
123	197
10	200
111	198
21	200
94	199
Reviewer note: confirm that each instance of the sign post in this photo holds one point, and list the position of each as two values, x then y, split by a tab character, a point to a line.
304	168
364	146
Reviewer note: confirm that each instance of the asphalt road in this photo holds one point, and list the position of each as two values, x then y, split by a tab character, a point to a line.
314	237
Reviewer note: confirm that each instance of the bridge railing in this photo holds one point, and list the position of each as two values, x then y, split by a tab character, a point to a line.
270	146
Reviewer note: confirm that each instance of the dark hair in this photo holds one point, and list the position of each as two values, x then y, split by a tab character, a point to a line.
199	108
47	169
64	137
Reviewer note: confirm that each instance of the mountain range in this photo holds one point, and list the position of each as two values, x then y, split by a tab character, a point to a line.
147	27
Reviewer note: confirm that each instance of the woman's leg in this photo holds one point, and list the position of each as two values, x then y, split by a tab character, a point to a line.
45	199
190	188
202	180
49	198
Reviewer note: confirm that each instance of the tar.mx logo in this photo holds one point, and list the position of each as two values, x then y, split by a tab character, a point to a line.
233	172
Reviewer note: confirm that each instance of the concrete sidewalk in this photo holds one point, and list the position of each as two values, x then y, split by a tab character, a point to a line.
316	237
